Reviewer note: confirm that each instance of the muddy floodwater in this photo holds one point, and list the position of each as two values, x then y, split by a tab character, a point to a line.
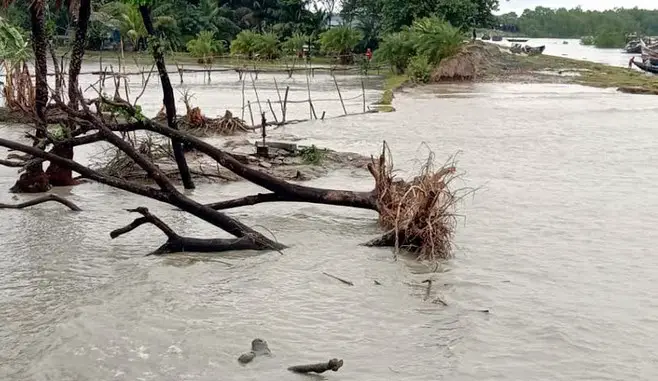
557	244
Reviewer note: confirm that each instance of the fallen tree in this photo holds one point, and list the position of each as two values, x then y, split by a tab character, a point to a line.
417	215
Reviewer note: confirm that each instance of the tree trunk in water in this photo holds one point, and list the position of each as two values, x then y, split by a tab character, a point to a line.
58	175
169	101
34	180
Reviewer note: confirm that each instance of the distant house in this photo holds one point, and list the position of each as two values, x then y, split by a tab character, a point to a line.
337	20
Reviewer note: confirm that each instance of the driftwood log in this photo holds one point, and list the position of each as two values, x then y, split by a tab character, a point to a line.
333	364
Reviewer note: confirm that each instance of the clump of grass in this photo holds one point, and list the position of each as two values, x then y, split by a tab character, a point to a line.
392	83
312	155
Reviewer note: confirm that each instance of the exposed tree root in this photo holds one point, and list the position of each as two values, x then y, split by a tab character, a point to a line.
41	200
178	244
418	215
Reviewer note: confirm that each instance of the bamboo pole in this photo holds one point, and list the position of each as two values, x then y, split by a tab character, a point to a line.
242	97
278	93
363	92
340	96
251	114
253	83
272	109
285	104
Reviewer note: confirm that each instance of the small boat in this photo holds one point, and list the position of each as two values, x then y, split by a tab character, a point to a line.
633	47
646	66
529	50
497	38
517	39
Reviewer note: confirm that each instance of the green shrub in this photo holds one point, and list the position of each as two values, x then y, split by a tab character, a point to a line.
396	49
295	43
610	39
419	69
435	38
204	46
267	45
340	40
250	43
312	155
245	43
587	40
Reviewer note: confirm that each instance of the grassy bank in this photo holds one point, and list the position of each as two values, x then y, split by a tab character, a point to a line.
592	73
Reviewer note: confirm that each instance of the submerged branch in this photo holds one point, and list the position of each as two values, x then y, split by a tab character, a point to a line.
179	244
41	200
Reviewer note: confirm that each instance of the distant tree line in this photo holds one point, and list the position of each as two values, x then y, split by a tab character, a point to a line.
575	23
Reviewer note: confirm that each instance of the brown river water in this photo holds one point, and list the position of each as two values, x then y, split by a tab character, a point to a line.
556	244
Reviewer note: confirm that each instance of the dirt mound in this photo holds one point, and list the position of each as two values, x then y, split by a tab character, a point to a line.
474	60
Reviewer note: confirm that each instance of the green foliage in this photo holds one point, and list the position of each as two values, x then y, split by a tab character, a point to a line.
295	43
419	69
388	16
14	48
396	49
204	46
574	23
340	40
251	43
312	155
587	40
267	45
610	39
435	38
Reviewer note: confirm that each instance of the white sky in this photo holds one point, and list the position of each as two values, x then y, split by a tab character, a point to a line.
519	5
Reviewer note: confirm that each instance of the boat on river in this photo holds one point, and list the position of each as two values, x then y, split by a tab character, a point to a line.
633	47
646	66
527	49
517	39
497	38
649	52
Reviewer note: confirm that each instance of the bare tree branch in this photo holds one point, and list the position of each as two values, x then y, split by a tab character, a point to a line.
40	200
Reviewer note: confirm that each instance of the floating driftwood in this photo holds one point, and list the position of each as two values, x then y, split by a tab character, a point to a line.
333	364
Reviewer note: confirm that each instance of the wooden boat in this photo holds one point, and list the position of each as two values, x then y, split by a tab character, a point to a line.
517	39
649	52
633	47
645	66
529	50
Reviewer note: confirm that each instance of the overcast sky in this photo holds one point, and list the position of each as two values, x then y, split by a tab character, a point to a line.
519	5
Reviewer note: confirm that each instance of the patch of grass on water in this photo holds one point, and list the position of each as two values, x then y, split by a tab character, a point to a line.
312	155
392	82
